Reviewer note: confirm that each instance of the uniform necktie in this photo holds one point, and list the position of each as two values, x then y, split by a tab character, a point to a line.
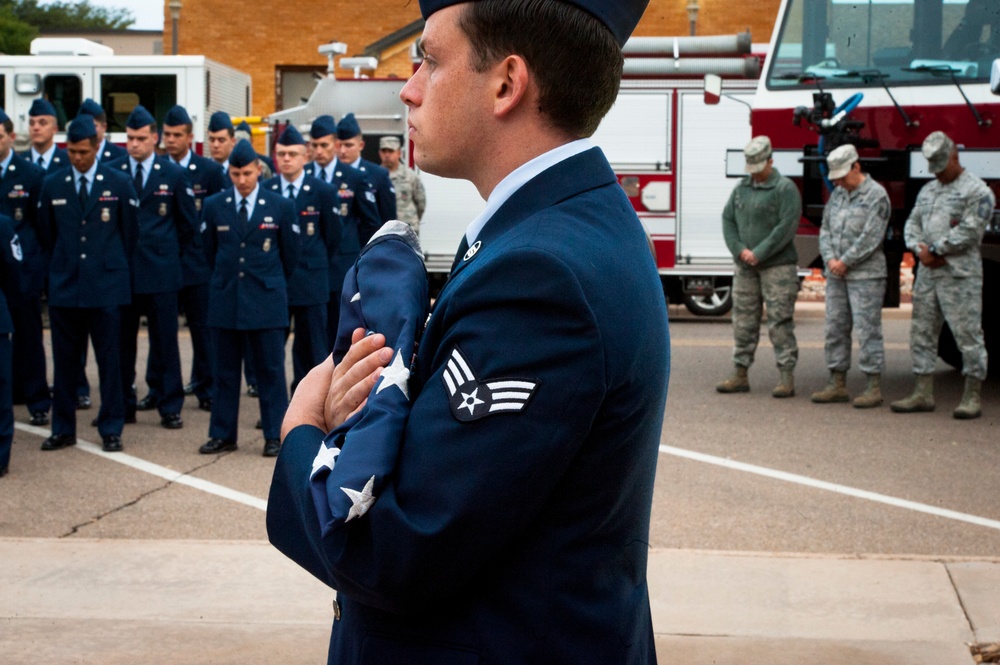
244	217
138	178
291	191
83	190
41	162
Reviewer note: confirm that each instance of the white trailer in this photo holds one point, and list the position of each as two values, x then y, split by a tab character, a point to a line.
68	71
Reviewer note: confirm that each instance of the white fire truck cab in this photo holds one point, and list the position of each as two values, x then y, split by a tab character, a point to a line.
68	71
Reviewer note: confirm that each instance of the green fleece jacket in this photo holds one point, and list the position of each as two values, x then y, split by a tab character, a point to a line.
763	218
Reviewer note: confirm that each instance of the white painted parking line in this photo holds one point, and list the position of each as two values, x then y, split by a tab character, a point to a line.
172	475
831	487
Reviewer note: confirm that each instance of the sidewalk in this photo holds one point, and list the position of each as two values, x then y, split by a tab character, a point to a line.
152	601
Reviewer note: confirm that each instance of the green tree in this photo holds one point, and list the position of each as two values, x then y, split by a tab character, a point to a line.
15	35
20	18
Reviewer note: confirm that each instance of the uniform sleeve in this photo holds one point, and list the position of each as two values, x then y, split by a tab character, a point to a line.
329	219
366	212
130	221
825	239
872	234
291	238
11	255
419	196
386	196
185	213
789	214
208	232
730	231
976	213
913	230
45	220
447	510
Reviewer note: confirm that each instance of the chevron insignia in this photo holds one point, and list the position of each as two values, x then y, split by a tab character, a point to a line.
472	399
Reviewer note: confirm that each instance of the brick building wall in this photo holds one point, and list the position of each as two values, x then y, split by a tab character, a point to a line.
260	38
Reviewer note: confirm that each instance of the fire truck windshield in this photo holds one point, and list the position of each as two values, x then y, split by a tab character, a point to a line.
863	43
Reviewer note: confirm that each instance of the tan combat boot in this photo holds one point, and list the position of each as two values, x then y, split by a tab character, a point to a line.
786	386
969	407
921	399
872	396
736	383
835	390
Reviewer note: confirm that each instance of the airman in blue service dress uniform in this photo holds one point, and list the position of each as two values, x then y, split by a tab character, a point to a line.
106	150
349	146
20	184
10	274
251	240
167	222
205	178
88	220
42	128
356	206
221	141
320	228
514	526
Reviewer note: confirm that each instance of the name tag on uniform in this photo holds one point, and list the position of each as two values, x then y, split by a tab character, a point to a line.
58	202
222	228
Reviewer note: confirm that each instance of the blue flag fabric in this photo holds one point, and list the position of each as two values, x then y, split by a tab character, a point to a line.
385	291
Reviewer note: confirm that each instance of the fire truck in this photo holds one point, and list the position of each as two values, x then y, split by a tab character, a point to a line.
67	71
882	75
666	144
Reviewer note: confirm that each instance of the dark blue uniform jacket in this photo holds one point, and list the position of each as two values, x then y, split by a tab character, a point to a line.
319	231
167	222
11	260
515	525
90	246
360	218
19	190
385	192
250	262
205	178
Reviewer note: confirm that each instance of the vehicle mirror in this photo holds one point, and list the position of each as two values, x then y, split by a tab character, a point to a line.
713	89
995	77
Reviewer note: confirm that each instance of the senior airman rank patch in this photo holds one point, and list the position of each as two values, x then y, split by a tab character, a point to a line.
472	399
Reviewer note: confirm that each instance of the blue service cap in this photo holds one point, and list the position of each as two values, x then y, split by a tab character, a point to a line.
139	118
620	16
3	116
243	154
291	136
90	107
177	116
243	127
41	107
220	120
323	125
348	128
81	128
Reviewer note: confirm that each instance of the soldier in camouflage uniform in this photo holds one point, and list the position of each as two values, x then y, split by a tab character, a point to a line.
758	224
410	197
850	241
944	231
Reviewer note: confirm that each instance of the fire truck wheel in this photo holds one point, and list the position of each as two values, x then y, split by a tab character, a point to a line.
716	304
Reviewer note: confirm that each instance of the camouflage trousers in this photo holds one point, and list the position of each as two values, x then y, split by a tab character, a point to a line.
957	300
854	304
754	290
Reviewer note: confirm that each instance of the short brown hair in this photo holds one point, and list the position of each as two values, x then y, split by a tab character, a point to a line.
574	57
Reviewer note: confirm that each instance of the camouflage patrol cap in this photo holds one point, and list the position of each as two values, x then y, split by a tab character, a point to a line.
841	160
388	143
757	152
937	151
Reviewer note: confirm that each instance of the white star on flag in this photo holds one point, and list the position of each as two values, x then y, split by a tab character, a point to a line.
397	374
357	297
325	458
361	501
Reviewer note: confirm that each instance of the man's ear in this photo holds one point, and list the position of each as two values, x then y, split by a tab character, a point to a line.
513	82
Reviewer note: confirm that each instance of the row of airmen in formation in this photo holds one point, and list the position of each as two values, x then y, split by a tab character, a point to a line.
944	231
116	234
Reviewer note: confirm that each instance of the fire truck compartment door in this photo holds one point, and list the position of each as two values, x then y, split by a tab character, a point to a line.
656	196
